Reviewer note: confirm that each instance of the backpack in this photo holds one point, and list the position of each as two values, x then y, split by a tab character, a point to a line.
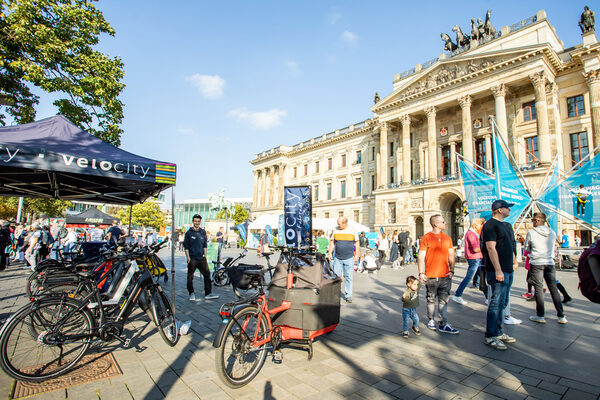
588	285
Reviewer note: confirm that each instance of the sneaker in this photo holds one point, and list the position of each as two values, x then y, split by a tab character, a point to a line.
495	343
448	329
535	318
431	325
192	297
562	320
405	334
507	339
459	300
349	300
416	330
211	296
527	296
567	299
510	320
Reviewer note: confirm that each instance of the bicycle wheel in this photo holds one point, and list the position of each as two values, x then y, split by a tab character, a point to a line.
237	360
164	318
34	346
220	277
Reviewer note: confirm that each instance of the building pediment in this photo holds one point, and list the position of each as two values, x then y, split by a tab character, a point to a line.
448	71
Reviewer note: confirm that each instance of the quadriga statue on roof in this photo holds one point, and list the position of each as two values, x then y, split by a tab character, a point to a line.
588	20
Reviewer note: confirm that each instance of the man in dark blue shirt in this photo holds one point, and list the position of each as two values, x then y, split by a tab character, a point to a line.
114	233
195	243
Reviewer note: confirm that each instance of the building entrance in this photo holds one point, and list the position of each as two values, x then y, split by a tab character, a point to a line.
450	205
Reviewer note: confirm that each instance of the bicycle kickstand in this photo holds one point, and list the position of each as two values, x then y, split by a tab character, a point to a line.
276	343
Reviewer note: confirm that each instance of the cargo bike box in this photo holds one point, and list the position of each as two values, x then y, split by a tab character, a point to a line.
314	295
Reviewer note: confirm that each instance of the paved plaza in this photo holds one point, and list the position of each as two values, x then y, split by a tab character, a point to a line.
365	357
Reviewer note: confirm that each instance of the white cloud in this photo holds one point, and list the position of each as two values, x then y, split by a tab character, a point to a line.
334	17
292	67
211	86
259	119
187	132
349	37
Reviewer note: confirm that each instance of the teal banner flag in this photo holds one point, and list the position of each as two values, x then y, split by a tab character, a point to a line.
508	185
479	189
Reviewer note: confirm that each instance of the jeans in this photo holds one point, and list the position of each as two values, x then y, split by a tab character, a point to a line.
498	302
407	315
438	288
347	268
547	271
202	265
471	270
408	257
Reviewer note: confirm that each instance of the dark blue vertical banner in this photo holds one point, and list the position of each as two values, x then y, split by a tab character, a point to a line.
297	216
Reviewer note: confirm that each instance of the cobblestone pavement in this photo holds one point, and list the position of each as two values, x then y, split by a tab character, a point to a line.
365	357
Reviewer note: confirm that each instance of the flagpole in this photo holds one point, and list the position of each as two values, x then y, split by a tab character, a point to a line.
547	175
495	154
529	207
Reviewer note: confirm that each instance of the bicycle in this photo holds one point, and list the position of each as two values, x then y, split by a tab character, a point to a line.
242	286
46	338
252	326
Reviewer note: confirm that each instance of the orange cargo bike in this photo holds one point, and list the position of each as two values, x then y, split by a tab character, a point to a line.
303	302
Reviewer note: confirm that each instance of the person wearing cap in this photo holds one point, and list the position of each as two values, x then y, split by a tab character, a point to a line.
499	252
195	243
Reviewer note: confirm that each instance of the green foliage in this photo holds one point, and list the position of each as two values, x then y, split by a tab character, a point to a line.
50	44
240	214
147	214
50	207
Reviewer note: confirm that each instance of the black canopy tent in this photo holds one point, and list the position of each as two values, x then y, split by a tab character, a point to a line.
53	158
91	216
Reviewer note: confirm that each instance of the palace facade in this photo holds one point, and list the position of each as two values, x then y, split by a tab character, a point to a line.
399	168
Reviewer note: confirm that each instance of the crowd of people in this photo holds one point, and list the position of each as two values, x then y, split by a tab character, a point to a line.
28	244
490	249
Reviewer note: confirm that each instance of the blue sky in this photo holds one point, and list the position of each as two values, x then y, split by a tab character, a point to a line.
212	83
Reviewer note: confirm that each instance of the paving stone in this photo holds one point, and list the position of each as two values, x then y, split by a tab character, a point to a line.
491	371
504	393
409	392
508	366
386	386
542	375
574	394
553	387
453	376
584	387
524	379
477	381
374	393
439	393
486	396
540	393
459	388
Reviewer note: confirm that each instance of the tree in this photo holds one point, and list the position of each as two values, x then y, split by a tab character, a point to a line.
240	214
50	44
37	206
144	215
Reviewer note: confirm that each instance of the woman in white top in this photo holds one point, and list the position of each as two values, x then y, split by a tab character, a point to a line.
383	246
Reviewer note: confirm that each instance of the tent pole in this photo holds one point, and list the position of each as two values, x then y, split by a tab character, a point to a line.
173	244
20	210
130	214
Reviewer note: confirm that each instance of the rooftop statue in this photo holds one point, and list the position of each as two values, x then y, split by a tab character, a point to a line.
461	39
587	21
377	99
490	31
475	34
449	44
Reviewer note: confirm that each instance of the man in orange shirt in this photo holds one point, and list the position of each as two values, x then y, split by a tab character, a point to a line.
436	269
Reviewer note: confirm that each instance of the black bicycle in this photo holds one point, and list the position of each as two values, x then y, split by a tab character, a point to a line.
47	337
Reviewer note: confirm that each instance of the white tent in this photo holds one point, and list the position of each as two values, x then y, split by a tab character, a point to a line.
264	220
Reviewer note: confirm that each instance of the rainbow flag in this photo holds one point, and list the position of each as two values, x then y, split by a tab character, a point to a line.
165	173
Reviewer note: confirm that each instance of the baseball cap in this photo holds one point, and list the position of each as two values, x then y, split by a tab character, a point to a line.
501	204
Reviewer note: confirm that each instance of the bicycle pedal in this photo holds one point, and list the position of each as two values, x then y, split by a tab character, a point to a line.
277	357
127	343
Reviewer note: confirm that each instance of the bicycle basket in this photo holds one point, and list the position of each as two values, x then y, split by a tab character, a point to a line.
239	278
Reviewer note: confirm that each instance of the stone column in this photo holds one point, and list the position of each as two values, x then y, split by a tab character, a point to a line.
399	157
255	190
593	81
499	92
261	191
431	142
538	80
467	127
421	162
452	158
383	155
281	177
266	187
488	152
405	149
